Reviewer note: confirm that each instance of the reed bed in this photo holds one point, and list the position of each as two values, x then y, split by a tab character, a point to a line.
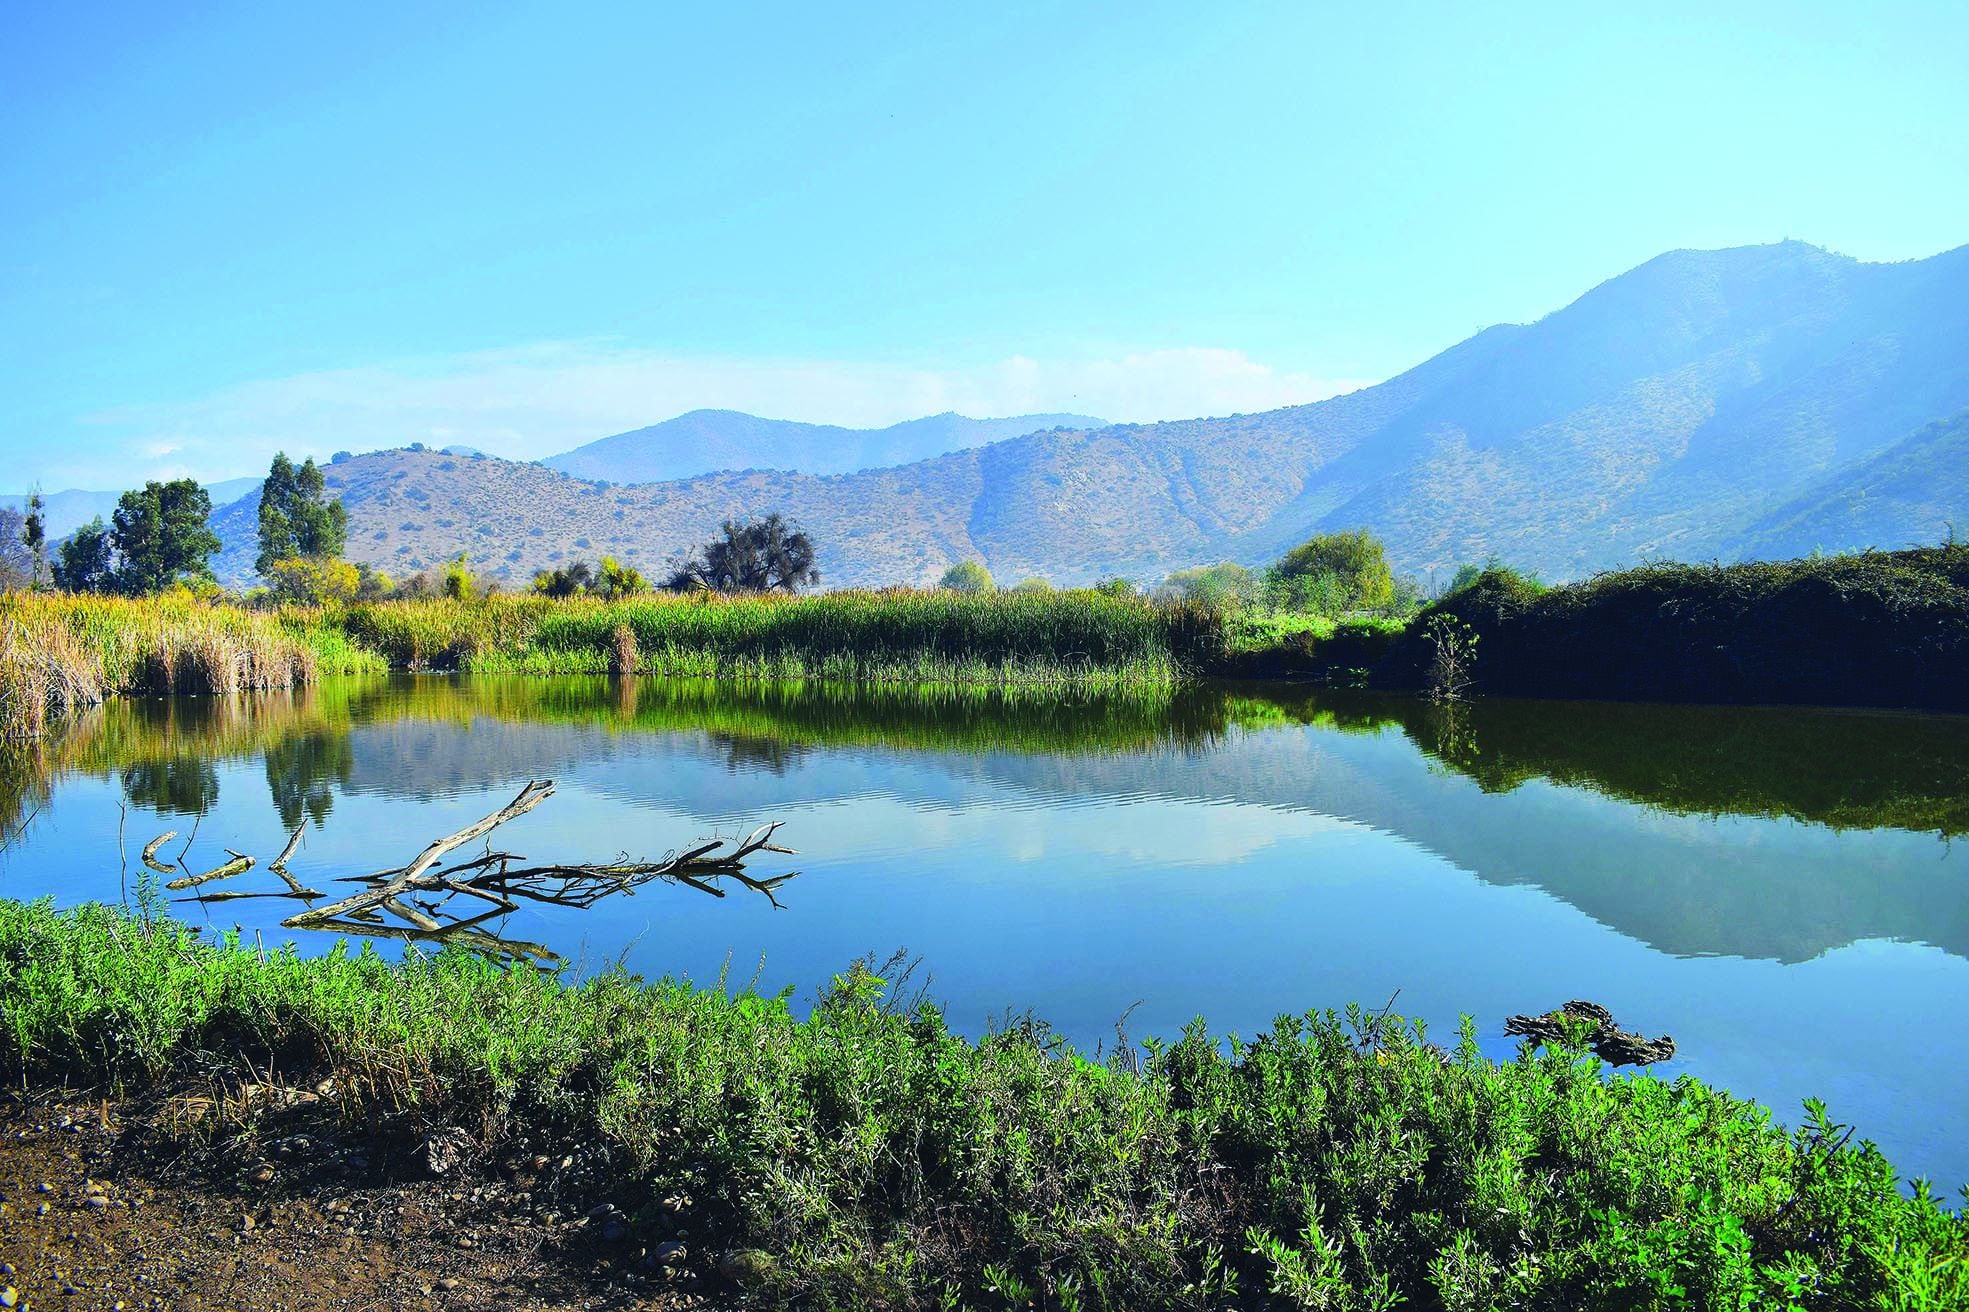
1083	639
60	653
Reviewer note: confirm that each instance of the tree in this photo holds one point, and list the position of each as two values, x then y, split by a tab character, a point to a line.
1335	572
86	562
34	536
967	576
313	580
567	581
618	580
16	561
296	517
766	555
1225	584
458	578
1034	584
162	534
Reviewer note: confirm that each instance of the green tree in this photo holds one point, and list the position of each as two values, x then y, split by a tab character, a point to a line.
86	562
34	536
1225	584
765	555
566	581
616	580
967	576
1033	584
163	535
297	519
1335	572
458	579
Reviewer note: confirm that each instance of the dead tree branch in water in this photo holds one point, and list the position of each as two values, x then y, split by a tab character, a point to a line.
418	895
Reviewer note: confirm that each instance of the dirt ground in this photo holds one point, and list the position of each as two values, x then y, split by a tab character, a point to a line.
94	1214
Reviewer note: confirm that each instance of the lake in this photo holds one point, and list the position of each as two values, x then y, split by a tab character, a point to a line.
1778	889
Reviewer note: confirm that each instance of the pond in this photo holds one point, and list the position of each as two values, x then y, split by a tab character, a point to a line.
1778	889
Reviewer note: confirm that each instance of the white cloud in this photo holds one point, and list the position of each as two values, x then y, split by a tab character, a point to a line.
534	401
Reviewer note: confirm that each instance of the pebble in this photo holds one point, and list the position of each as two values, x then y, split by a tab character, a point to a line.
613	1231
44	1188
448	1283
10	1297
96	1201
671	1254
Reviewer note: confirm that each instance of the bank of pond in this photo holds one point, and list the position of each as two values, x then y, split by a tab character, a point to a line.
1879	629
858	1152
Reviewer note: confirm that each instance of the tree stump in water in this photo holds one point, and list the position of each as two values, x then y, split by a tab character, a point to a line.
1613	1045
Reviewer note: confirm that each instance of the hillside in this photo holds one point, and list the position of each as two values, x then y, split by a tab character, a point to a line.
1915	490
1677	410
706	441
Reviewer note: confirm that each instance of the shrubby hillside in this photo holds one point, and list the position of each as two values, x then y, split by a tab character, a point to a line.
1709	404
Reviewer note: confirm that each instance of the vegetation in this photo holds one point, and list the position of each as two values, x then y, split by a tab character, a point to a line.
865	1155
765	555
1876	629
297	520
17	558
967	576
1333	573
159	537
34	537
59	653
1082	638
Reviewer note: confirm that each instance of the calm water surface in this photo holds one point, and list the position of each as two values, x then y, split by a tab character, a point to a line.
1780	890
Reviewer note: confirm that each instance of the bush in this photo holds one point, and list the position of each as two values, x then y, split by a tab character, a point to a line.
967	576
1878	629
865	1155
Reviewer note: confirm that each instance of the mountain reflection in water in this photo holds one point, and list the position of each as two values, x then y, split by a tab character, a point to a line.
1751	879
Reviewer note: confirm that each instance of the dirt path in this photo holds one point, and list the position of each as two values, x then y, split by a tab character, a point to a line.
86	1223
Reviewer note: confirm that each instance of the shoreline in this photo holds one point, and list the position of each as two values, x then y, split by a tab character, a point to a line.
865	1153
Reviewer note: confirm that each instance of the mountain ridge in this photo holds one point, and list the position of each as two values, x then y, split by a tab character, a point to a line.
1669	411
709	441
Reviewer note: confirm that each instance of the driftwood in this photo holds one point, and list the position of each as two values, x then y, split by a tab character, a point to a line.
1615	1046
238	865
150	852
411	902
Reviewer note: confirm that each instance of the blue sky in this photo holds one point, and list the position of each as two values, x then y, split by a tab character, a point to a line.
240	227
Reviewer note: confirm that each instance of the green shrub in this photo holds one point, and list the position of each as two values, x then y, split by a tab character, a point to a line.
864	1155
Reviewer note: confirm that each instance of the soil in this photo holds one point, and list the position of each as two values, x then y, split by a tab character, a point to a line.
100	1210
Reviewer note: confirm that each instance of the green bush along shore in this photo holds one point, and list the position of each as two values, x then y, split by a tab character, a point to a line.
866	1156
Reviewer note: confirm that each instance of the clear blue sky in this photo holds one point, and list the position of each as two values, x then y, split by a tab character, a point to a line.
228	227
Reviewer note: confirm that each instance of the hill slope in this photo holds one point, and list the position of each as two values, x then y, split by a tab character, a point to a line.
1915	490
705	441
1676	410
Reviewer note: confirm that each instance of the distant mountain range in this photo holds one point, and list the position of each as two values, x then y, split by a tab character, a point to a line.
706	441
1758	401
70	510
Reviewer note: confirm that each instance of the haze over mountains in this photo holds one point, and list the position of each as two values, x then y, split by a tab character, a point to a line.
705	441
1765	401
70	509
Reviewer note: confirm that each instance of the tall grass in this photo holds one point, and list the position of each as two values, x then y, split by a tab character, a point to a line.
59	652
1084	639
863	1155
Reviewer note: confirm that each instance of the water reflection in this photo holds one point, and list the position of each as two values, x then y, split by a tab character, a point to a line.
1749	880
1589	802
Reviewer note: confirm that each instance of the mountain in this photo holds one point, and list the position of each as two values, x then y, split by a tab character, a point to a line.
1689	408
70	510
1917	490
705	441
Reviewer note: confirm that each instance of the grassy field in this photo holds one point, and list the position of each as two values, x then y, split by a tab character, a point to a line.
864	1155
